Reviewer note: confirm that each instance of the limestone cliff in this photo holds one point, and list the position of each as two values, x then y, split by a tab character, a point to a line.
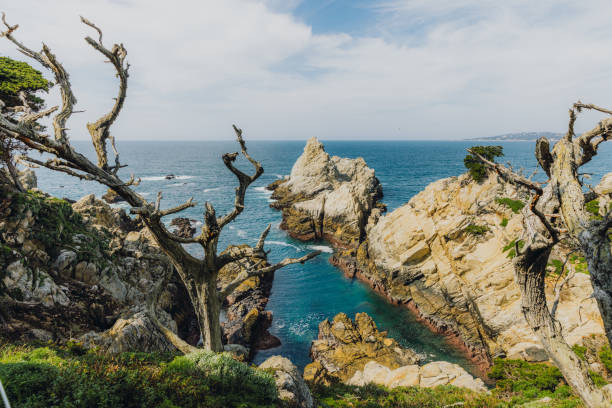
328	197
446	254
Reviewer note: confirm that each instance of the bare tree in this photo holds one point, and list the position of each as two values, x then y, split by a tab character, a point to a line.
558	213
198	275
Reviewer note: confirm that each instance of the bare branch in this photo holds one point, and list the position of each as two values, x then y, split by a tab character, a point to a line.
178	208
262	238
244	180
509	175
558	288
243	276
542	153
100	129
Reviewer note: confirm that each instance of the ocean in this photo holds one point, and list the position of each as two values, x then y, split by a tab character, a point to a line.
302	295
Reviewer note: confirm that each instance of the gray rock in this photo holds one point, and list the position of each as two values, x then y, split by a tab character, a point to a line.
290	384
64	260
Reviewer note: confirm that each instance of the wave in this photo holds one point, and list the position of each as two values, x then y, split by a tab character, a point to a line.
262	189
161	178
280	176
208	190
322	248
285	244
242	233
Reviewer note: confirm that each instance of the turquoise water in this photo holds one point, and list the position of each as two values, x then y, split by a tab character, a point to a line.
302	295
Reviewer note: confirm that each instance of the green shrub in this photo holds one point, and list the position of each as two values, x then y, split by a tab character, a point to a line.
515	205
598	380
592	207
580	351
477	170
231	375
511	248
532	380
605	355
504	222
557	264
474	229
57	377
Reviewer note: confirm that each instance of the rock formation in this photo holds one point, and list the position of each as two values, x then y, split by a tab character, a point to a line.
344	347
289	382
85	271
184	227
428	376
446	254
328	197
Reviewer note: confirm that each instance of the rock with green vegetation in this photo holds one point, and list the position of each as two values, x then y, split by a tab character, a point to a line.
477	170
344	347
446	256
328	197
291	386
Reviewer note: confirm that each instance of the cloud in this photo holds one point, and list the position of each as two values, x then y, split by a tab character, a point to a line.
425	69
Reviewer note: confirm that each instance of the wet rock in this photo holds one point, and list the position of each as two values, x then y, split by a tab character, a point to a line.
184	227
289	382
111	197
344	347
170	177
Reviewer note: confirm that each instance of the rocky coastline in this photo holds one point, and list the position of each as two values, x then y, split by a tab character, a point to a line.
446	255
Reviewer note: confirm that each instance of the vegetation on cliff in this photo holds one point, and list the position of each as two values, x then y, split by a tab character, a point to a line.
475	167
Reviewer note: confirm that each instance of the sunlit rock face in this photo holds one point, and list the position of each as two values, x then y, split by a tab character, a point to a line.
447	253
328	197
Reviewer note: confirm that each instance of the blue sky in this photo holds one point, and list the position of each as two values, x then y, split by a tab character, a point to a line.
335	69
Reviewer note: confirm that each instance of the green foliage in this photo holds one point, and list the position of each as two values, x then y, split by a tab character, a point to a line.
511	248
504	222
477	170
580	351
605	355
598	380
580	264
557	264
231	376
17	76
474	229
592	207
520	381
515	205
59	377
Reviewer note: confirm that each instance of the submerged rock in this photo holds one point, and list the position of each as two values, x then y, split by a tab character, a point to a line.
344	347
291	386
327	197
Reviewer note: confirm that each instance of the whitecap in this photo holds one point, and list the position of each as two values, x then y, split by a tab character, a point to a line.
280	176
322	248
286	244
208	190
242	233
262	189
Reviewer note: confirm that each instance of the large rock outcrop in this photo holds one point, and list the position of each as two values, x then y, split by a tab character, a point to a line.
289	382
446	254
327	197
86	270
344	347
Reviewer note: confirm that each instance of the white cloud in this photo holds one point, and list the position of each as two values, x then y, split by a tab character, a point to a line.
428	69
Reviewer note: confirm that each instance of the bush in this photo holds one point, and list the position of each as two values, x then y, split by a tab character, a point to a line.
230	376
474	229
515	205
57	377
477	170
605	355
504	222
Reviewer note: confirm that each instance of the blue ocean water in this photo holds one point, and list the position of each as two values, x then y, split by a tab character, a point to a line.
302	295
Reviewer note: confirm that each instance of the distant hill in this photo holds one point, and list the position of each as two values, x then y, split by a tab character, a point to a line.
521	137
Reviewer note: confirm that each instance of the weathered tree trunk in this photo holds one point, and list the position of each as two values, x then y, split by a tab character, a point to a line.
12	170
530	272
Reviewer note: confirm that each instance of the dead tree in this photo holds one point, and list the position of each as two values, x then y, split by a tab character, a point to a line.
198	275
557	213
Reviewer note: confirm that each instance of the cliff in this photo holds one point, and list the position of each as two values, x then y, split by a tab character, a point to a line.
328	197
446	255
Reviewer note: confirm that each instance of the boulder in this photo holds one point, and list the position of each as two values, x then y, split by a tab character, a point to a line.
345	346
111	197
184	227
427	376
290	384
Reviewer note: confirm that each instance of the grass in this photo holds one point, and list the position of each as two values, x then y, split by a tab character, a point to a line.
515	205
504	222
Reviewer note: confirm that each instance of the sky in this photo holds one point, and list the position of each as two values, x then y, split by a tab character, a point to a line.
334	69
